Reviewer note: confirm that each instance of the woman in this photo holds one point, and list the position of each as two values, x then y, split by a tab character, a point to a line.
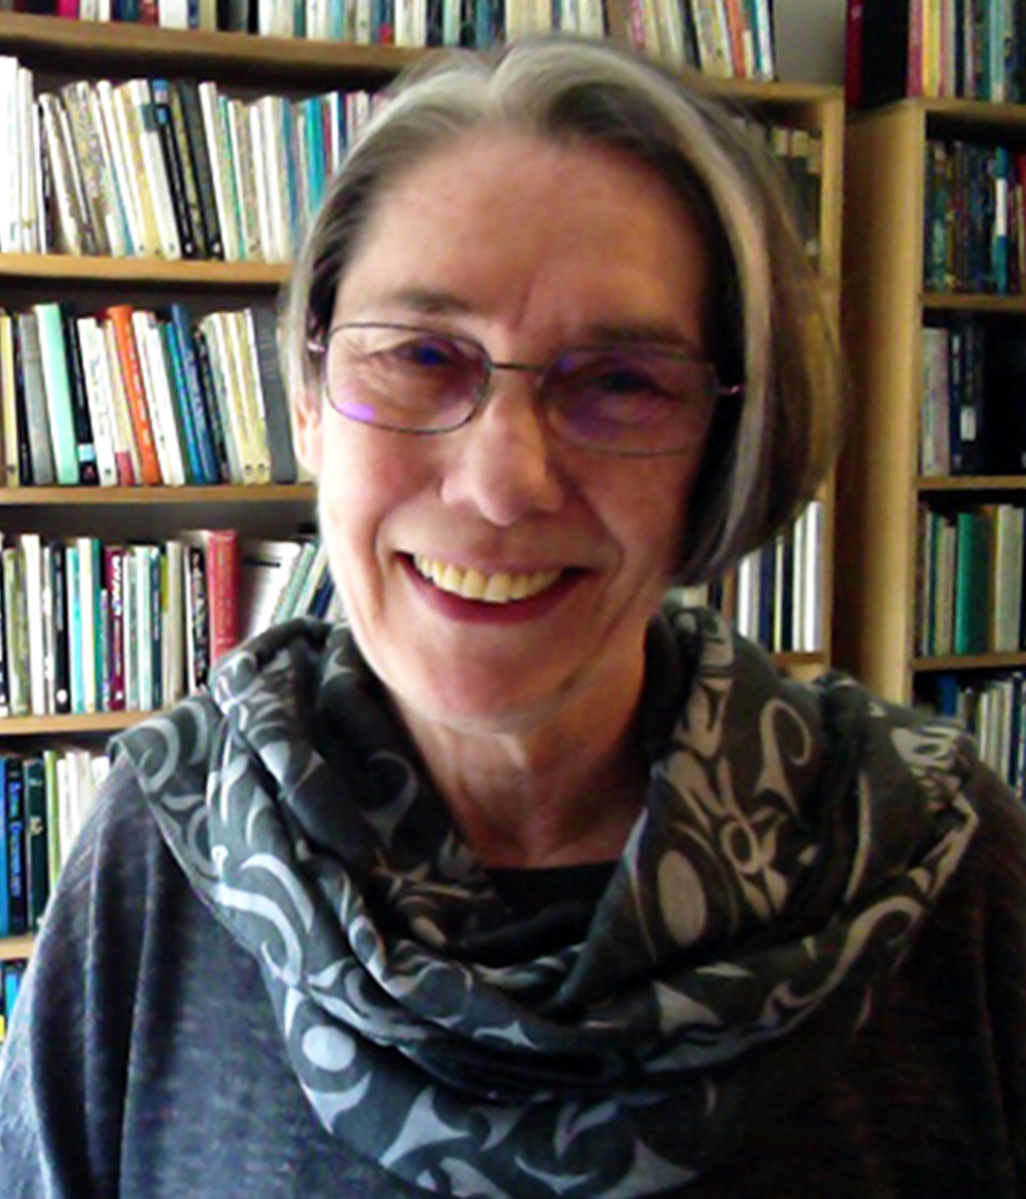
523	886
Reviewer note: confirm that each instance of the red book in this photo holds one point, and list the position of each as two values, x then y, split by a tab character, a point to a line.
120	317
223	557
853	54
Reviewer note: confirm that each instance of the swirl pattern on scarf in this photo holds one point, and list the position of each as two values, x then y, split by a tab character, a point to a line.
792	839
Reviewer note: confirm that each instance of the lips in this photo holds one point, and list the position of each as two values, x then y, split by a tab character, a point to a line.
502	587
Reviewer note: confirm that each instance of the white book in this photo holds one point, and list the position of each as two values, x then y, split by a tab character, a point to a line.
279	246
265	567
116	107
8	402
242	167
812	587
173	14
262	171
31	548
41	241
115	219
239	399
798	579
95	369
88	585
158	397
10	140
124	435
156	169
130	617
142	598
29	168
220	169
1006	591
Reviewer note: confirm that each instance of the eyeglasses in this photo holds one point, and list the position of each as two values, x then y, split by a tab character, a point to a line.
618	399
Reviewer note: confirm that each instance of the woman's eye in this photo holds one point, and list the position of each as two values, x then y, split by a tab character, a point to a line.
427	353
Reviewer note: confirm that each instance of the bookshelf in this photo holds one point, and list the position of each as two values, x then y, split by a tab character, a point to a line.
882	489
60	50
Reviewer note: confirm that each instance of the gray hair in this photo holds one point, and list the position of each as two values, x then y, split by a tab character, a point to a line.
770	330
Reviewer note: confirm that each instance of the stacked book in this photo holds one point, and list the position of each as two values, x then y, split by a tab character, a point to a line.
994	711
779	588
44	800
970	573
474	24
731	39
167	169
128	397
91	626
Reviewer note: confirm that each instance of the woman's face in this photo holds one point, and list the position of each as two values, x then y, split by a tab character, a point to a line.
531	248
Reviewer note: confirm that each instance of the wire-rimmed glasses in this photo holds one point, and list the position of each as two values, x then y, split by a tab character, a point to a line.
633	398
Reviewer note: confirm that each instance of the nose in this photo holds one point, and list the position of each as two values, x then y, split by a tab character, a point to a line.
502	463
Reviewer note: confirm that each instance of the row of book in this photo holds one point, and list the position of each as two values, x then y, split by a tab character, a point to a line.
974	229
993	709
11	974
136	397
91	626
174	169
731	39
476	24
779	588
44	801
973	49
970	580
972	415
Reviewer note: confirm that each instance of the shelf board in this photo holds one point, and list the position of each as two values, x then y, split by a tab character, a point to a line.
13	948
152	271
927	484
963	662
120	49
974	302
115	497
68	725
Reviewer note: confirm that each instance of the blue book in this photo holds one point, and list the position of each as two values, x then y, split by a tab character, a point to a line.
180	403
5	890
17	872
76	650
183	339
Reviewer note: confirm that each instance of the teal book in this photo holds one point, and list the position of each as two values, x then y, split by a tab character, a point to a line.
180	402
183	343
57	387
972	582
17	872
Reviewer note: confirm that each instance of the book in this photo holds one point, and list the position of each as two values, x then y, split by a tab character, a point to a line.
278	424
883	51
159	405
126	452
972	582
185	94
57	390
36	848
37	410
24	448
5	887
222	572
189	172
90	164
16	637
31	577
73	234
85	446
175	168
12	435
120	317
98	389
114	581
208	468
197	617
17	871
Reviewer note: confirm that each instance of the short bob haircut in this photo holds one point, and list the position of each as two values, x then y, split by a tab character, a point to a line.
769	330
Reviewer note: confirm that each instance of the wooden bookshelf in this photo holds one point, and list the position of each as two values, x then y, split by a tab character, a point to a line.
15	948
885	306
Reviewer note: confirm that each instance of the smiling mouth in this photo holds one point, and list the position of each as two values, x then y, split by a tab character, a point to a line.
501	588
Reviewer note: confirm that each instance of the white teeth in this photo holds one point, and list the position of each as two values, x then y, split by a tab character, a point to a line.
500	588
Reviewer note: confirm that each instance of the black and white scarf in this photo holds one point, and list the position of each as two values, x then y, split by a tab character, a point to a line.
792	840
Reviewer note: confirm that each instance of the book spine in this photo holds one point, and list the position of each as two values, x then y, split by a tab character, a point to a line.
114	574
36	855
208	468
85	446
188	94
57	388
120	316
60	631
175	170
17	873
190	184
223	556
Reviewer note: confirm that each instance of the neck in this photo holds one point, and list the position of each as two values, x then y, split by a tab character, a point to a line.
564	791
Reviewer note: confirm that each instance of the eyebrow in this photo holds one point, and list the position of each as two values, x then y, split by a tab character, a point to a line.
426	301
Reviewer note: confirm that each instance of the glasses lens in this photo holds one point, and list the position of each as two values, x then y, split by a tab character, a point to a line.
635	400
403	378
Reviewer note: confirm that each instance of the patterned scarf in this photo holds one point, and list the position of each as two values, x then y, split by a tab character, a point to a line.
792	840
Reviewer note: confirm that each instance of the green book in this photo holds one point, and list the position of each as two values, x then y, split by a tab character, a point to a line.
57	385
972	582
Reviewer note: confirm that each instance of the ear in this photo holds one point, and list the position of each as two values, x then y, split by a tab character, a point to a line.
308	428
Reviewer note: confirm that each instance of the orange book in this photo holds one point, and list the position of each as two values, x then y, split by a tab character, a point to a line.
120	317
